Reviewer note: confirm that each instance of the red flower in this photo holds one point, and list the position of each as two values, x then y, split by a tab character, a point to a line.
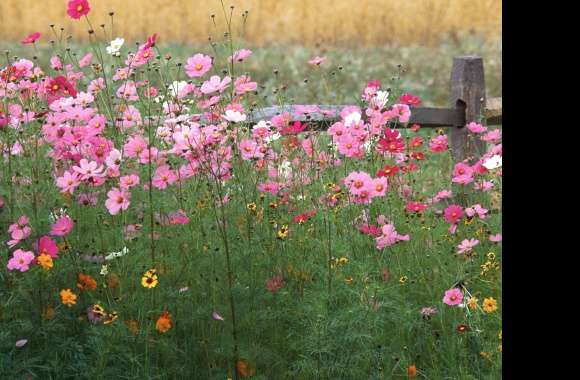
410	100
419	156
416	142
78	8
301	218
293	129
392	141
151	41
370	230
388	171
32	38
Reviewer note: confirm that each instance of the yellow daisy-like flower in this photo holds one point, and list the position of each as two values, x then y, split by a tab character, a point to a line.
472	303
491	256
342	260
99	310
149	279
45	261
251	206
273	205
489	305
403	279
112	317
283	232
68	298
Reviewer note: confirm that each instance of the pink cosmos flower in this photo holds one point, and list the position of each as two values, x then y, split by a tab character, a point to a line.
438	144
240	55
215	84
275	283
78	8
269	187
415	206
389	236
47	246
88	170
453	213
476	209
62	226
117	200
493	136
402	111
317	61
476	127
249	149
55	63
379	187
129	181
20	260
466	246
453	297
198	65
495	238
243	84
164	176
20	230
86	60
31	38
68	182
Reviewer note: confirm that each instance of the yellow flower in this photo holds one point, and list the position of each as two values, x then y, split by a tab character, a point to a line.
348	280
251	206
149	279
489	305
342	260
491	256
99	310
472	303
403	279
273	205
112	317
68	298
283	232
499	335
45	261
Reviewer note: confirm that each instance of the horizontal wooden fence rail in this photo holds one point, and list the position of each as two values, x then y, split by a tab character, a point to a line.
468	103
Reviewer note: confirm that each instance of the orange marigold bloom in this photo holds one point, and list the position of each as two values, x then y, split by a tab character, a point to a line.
68	298
164	322
86	282
412	370
244	370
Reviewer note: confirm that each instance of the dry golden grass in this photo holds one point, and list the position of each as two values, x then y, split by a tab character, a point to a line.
361	22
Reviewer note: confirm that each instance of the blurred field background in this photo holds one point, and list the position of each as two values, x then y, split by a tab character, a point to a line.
363	40
309	22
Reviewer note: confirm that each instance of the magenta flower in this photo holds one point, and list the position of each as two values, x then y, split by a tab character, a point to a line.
62	227
31	38
47	246
453	297
78	8
20	260
240	55
476	128
453	214
198	65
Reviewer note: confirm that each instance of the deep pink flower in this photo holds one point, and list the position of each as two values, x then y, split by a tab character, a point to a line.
47	246
275	283
476	127
410	100
62	226
453	213
20	260
78	8
438	144
31	38
453	297
415	206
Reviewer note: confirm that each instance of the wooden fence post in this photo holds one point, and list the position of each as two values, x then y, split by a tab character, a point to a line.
467	90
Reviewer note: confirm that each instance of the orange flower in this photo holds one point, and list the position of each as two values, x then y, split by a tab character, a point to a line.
48	313
244	370
86	282
412	370
68	298
164	323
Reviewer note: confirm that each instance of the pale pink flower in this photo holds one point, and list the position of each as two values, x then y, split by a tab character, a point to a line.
243	84
495	238
467	246
240	55
164	176
317	61
86	60
128	181
117	200
198	65
215	84
88	170
389	236
20	230
20	260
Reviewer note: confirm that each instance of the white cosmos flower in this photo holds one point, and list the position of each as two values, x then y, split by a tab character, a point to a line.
382	98
176	87
351	119
115	46
493	162
113	255
234	116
